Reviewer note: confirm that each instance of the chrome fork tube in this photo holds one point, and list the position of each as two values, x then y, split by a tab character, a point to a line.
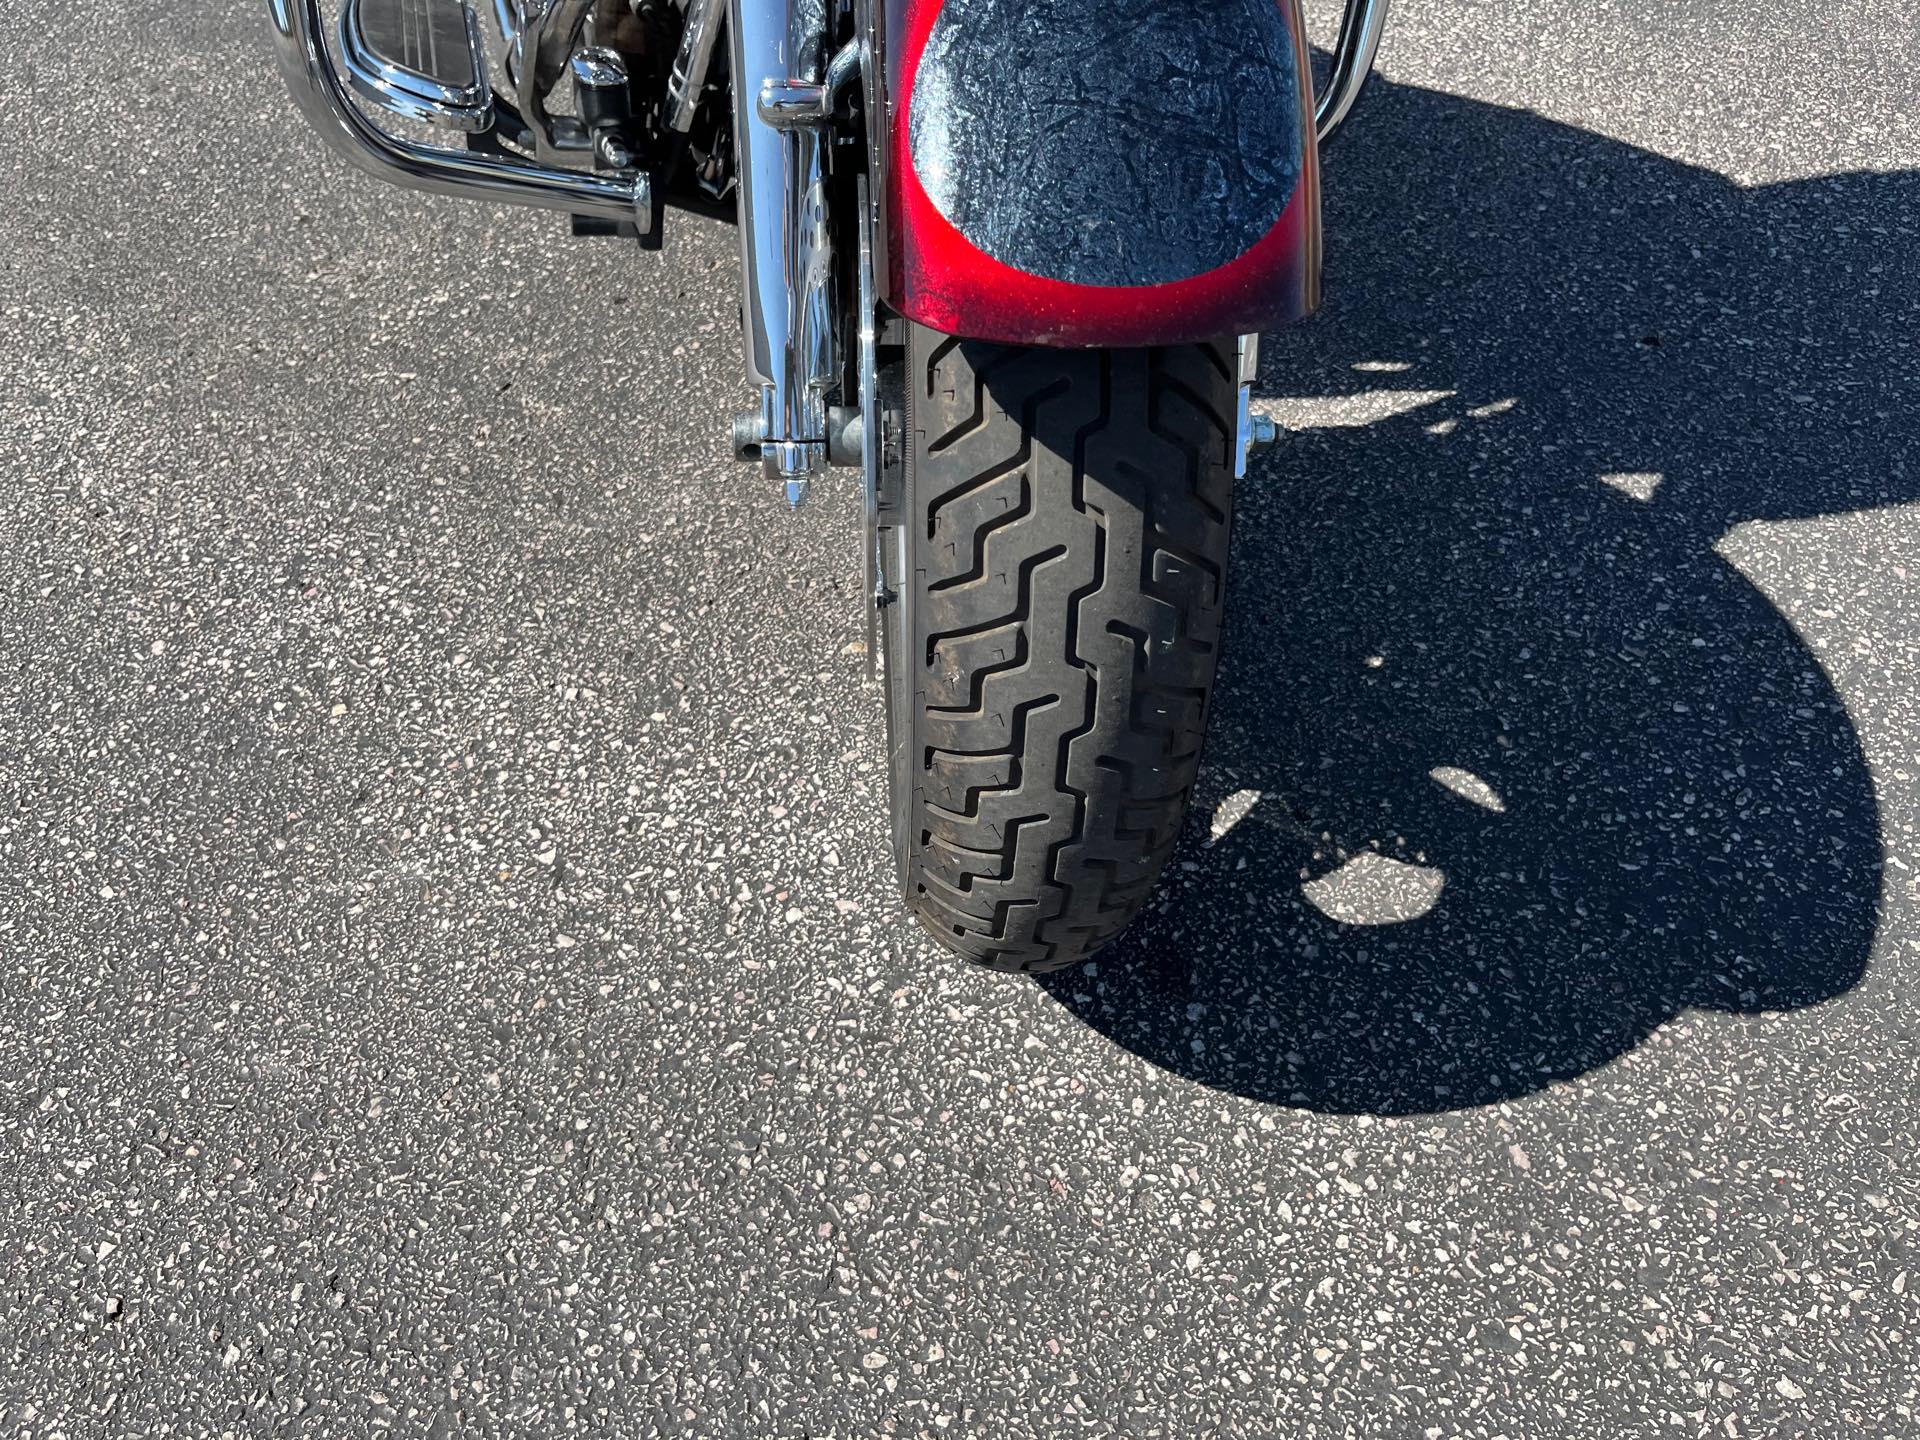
786	256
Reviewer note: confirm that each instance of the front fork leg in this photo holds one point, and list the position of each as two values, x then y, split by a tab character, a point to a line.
786	249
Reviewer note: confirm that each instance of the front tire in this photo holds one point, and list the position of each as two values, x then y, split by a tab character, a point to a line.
1059	573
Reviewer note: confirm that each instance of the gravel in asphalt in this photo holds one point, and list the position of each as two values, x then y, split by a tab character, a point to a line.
452	981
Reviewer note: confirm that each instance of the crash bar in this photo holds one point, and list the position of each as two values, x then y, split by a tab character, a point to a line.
1361	24
309	73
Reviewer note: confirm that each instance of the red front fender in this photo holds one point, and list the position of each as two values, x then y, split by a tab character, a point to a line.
1099	172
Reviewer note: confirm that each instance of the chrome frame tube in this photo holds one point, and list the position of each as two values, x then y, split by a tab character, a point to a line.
555	27
549	33
688	79
786	254
302	55
1361	25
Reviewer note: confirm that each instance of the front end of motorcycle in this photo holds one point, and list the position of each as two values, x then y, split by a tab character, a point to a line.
1009	262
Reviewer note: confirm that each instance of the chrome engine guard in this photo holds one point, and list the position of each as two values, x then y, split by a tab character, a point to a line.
298	28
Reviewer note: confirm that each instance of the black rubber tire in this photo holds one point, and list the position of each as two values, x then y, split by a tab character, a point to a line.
1061	559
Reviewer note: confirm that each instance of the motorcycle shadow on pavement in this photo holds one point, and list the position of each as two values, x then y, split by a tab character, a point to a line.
1509	765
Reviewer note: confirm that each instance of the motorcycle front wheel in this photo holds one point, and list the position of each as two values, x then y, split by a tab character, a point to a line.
1056	575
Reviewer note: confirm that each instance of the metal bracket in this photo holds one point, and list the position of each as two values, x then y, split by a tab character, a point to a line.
1253	432
796	104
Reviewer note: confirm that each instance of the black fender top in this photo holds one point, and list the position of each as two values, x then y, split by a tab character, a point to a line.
1110	142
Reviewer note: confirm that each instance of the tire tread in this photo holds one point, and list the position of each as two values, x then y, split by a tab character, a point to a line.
1066	622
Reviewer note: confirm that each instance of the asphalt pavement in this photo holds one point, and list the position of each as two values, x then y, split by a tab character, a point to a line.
452	982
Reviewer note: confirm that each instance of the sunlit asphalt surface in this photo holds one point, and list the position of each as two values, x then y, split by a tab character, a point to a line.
452	980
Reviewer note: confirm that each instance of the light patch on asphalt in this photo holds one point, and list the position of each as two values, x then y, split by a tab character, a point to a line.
1374	889
1468	786
1344	412
1634	484
1230	812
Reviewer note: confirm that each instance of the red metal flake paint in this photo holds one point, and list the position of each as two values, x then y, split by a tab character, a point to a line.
943	280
